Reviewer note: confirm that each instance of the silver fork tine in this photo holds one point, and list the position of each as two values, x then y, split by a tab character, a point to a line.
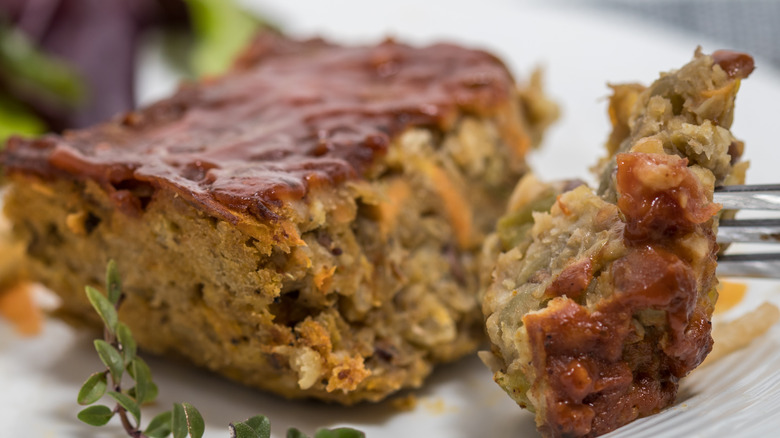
749	230
752	197
750	265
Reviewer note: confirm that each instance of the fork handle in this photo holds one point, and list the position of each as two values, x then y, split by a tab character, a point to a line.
749	197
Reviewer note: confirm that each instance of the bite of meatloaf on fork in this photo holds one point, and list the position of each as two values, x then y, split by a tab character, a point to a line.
601	300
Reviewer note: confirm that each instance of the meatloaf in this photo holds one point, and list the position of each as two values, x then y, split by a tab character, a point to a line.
307	223
601	301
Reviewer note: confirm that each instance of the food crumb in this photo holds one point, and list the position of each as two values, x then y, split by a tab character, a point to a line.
404	404
437	406
17	306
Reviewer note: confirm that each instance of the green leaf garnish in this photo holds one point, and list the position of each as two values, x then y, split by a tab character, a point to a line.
27	68
261	424
113	283
111	358
243	430
17	119
195	424
103	307
143	377
93	388
222	29
160	426
295	433
128	403
341	432
125	338
150	394
97	415
179	421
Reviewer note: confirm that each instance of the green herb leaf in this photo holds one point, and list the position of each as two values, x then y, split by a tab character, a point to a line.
160	426
125	338
128	403
222	30
295	433
111	358
195	424
103	307
341	432
145	390
242	430
97	415
261	424
113	283
151	392
179	421
143	377
92	389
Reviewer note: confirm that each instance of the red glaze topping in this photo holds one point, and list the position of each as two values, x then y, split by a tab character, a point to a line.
735	64
603	371
291	116
660	198
572	281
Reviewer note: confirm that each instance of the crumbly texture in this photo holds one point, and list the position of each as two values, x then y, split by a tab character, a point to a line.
11	256
600	303
346	274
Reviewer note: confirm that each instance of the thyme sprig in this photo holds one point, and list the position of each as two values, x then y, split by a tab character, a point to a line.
118	352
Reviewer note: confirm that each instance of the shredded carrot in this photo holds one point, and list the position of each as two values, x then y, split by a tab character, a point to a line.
455	205
398	191
562	206
720	91
729	295
17	305
324	278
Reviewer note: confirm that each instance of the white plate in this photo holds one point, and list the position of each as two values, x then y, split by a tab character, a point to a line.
739	396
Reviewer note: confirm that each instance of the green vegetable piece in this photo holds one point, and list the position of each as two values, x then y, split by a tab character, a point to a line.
295	433
222	29
341	432
113	283
111	358
126	340
17	119
97	415
128	403
513	227
160	426
243	430
261	424
93	389
104	308
25	67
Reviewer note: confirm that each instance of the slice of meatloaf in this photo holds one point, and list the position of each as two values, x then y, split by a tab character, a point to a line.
600	304
307	223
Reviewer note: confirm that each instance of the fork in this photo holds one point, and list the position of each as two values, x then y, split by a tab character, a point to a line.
749	197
